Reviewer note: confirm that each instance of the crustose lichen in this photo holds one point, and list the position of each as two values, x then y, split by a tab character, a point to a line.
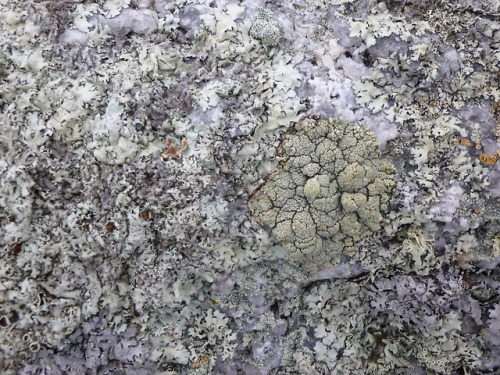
328	193
266	28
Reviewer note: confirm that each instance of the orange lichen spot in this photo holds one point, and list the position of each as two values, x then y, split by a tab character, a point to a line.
172	151
490	159
466	142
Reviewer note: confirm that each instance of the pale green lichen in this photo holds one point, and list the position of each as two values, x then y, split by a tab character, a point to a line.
329	191
312	188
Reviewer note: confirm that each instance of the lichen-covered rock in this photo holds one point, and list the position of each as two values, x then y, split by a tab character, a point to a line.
329	191
134	131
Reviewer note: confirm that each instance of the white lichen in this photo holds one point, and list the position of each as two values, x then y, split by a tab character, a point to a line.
266	28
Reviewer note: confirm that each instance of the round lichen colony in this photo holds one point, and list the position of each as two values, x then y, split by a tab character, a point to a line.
266	28
329	191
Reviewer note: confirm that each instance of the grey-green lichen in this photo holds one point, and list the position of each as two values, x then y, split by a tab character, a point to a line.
266	28
329	191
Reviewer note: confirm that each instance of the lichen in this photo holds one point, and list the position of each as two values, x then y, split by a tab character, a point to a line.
266	28
135	131
329	191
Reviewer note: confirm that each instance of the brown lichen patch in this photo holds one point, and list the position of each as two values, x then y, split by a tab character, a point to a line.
495	109
172	151
110	227
146	215
203	362
16	248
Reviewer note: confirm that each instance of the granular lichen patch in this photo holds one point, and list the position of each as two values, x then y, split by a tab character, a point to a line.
329	191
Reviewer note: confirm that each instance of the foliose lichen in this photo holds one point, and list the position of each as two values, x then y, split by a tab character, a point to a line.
113	243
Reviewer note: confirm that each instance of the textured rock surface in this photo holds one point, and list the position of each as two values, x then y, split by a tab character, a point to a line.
133	134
